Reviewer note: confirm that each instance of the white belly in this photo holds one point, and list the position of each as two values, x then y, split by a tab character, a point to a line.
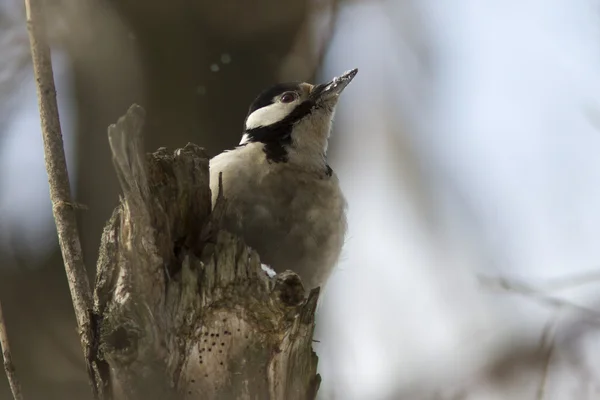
294	220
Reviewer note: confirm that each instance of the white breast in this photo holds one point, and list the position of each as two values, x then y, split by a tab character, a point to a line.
294	219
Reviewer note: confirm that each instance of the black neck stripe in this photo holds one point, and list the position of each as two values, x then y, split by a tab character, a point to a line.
279	135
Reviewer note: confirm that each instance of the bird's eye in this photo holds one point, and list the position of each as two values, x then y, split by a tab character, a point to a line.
288	97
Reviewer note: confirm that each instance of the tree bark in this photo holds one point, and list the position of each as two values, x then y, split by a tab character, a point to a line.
183	309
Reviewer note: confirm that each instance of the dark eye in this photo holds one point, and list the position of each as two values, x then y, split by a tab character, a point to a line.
288	97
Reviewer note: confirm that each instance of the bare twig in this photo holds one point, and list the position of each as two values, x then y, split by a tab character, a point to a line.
9	367
58	178
570	281
547	350
514	286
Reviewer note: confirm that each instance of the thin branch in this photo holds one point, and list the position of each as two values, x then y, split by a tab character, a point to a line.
570	281
58	179
513	286
9	367
547	350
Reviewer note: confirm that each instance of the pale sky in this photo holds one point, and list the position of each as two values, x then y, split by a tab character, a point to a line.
505	132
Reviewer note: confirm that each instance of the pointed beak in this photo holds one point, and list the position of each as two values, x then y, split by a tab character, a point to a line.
335	87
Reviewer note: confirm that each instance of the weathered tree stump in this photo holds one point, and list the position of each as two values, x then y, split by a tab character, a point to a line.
182	308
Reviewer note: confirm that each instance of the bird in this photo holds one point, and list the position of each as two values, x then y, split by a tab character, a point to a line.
282	197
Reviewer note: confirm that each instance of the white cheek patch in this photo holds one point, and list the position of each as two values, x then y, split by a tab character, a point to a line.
269	115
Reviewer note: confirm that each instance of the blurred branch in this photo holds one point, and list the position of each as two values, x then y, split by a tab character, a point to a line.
307	56
9	367
14	62
513	286
58	178
184	308
569	282
535	356
515	361
518	358
327	38
547	348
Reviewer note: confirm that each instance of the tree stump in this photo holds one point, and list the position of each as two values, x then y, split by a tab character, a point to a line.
183	309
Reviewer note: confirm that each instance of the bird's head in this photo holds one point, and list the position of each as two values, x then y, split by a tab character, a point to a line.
293	120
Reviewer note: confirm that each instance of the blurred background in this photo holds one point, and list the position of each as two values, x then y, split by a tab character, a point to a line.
467	147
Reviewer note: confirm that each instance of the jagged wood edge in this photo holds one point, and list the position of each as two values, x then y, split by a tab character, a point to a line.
157	276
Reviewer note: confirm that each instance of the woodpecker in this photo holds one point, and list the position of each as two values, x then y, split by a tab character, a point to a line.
283	198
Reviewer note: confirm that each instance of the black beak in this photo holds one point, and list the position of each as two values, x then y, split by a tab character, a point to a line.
335	87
